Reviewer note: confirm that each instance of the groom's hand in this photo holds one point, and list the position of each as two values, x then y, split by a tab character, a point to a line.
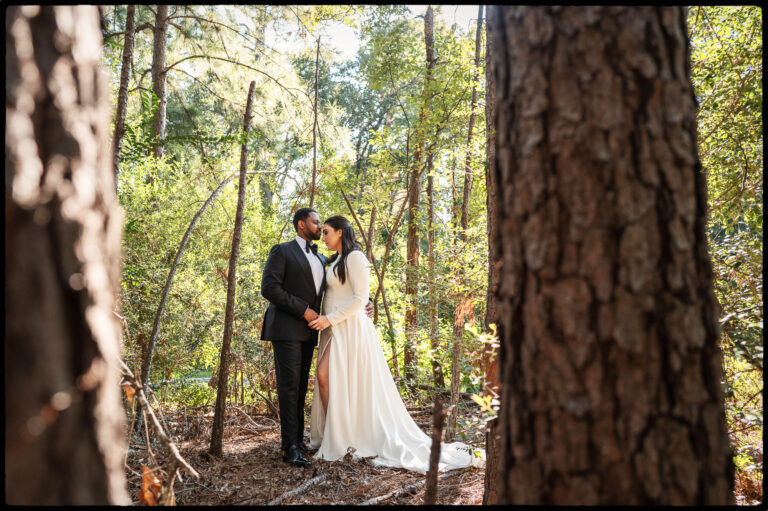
310	314
369	309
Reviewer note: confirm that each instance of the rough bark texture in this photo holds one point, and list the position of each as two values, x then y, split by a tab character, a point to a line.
158	77
491	354
611	369
63	413
412	246
217	429
122	95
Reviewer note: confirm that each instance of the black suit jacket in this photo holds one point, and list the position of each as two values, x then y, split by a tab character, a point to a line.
288	284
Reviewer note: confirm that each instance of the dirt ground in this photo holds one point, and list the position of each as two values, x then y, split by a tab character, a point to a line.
251	471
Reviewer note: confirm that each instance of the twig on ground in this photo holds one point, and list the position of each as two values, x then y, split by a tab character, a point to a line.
307	484
403	490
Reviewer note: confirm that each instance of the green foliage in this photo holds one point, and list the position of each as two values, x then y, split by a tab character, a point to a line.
726	61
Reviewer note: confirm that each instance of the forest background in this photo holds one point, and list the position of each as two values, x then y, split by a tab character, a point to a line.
370	132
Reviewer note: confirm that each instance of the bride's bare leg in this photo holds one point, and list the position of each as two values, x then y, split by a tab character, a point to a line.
322	377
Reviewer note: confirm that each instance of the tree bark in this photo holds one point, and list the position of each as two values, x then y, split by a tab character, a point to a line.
217	430
122	95
490	354
430	492
611	368
158	78
410	361
64	418
458	324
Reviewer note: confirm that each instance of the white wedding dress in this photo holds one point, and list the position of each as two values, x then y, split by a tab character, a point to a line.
366	415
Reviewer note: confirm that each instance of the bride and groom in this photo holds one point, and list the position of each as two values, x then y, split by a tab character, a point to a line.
356	406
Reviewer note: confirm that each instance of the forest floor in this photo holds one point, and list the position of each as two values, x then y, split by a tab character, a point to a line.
251	471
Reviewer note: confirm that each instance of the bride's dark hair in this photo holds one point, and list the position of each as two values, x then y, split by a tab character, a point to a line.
348	244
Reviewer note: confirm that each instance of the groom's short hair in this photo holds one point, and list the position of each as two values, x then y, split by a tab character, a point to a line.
301	214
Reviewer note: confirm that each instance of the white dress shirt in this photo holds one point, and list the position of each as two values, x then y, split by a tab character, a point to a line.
314	263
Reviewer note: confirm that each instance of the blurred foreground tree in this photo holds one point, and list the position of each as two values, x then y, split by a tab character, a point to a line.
64	419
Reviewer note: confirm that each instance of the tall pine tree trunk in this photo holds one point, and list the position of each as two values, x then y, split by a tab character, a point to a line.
458	323
490	353
64	439
217	430
412	247
122	95
158	77
611	368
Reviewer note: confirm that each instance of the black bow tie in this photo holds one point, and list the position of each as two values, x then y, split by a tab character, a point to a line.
312	247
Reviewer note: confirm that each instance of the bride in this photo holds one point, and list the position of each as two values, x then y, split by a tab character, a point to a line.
358	407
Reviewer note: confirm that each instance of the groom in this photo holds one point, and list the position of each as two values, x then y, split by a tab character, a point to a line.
293	281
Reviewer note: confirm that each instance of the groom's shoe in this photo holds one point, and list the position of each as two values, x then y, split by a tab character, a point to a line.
303	448
293	456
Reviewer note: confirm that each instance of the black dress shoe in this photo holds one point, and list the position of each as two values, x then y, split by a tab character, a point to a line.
303	448
293	456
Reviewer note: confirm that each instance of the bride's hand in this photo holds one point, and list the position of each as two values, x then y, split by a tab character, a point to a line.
320	323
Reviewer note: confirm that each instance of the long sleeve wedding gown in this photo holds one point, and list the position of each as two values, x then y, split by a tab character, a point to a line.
365	412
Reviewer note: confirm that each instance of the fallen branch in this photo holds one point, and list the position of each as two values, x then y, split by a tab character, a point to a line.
299	489
259	426
170	447
405	489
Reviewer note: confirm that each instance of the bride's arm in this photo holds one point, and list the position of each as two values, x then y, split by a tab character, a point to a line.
359	277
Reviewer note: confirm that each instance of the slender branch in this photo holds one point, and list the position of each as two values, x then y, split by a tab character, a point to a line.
373	258
213	57
258	426
406	489
167	443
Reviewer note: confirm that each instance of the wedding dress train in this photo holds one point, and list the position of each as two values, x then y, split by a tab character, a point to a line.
366	415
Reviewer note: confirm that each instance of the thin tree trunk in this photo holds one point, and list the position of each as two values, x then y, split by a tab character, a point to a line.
371	225
470	130
410	361
158	78
434	338
64	418
217	430
122	95
490	354
314	129
611	371
458	325
430	492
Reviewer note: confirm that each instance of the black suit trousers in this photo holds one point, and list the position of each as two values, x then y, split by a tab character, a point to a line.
293	360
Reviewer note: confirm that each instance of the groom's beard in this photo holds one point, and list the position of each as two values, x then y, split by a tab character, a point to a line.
315	235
